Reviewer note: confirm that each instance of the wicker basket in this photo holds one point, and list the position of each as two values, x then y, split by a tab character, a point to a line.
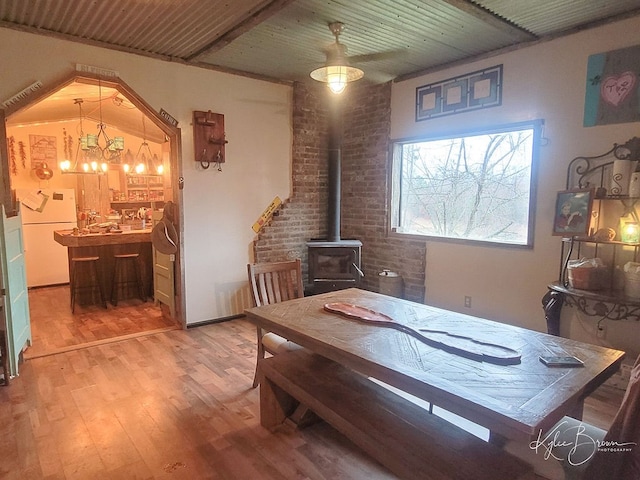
588	278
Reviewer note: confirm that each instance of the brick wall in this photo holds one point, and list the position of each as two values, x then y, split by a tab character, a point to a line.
365	201
304	215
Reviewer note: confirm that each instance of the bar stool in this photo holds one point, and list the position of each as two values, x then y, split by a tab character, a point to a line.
122	277
91	276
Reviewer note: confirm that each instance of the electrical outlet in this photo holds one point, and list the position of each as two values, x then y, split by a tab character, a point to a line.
601	330
467	301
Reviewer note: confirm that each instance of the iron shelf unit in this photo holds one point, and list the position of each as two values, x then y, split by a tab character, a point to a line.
593	172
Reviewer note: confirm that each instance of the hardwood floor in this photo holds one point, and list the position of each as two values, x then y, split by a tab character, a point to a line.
175	404
55	329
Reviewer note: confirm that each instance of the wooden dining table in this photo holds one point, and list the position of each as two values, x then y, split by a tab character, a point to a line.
513	401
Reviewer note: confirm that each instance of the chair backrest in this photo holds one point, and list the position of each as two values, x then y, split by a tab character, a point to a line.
275	282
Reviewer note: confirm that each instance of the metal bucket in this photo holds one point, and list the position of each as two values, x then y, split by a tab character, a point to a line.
390	283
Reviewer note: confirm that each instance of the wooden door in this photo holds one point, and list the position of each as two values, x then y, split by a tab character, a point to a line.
163	274
14	287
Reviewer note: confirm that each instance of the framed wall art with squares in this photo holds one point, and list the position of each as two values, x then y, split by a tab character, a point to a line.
473	91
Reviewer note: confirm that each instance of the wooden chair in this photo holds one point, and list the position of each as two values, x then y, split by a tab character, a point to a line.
273	283
583	461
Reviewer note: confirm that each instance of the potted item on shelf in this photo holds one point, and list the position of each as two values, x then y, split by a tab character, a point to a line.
588	274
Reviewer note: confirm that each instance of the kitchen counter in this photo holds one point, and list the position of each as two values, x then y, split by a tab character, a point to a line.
68	239
105	246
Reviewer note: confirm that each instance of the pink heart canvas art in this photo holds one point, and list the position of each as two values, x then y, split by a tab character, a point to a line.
615	89
612	93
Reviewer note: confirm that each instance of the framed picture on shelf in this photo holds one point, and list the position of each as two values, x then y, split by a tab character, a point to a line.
573	212
129	214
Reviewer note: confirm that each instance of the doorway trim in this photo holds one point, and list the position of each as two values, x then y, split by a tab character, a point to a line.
172	134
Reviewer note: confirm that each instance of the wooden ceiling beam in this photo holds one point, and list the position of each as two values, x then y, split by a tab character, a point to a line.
240	28
517	33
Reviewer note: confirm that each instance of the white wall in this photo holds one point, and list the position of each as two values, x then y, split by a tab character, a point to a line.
545	81
219	207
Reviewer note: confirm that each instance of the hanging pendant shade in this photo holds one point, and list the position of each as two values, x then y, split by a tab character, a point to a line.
337	72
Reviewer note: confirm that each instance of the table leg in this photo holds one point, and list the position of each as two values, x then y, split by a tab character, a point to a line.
497	439
577	411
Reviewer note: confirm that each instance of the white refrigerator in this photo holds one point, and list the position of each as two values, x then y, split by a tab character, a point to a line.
46	260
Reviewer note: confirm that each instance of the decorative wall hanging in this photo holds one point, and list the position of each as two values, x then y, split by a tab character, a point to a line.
23	154
209	138
473	91
43	150
613	88
12	155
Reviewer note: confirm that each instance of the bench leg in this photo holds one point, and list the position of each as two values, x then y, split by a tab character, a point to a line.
303	417
275	404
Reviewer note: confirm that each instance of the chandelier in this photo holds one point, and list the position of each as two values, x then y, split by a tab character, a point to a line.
86	160
95	150
145	162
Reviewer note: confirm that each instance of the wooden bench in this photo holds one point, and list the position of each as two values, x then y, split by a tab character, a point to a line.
402	436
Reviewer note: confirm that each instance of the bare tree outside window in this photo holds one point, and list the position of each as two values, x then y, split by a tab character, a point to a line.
474	187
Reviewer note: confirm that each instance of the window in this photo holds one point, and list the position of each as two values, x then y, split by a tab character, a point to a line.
473	187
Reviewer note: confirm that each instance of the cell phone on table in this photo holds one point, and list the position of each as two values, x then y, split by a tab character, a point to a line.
559	361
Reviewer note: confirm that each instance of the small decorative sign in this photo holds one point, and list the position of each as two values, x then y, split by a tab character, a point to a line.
170	120
104	72
473	91
266	215
22	94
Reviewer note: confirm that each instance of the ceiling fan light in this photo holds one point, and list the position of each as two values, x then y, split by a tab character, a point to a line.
337	79
337	76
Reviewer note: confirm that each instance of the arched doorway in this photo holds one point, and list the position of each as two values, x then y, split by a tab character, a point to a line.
84	103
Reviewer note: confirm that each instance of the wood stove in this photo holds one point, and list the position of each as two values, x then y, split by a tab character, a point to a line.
334	265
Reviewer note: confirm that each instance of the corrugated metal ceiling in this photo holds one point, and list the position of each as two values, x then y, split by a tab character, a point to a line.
283	40
554	17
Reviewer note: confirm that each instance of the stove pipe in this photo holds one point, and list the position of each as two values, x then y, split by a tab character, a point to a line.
335	166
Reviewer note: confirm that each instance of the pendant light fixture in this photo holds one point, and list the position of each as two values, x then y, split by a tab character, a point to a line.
95	151
112	149
337	72
86	162
146	162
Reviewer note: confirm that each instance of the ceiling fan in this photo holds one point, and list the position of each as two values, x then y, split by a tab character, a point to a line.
337	71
